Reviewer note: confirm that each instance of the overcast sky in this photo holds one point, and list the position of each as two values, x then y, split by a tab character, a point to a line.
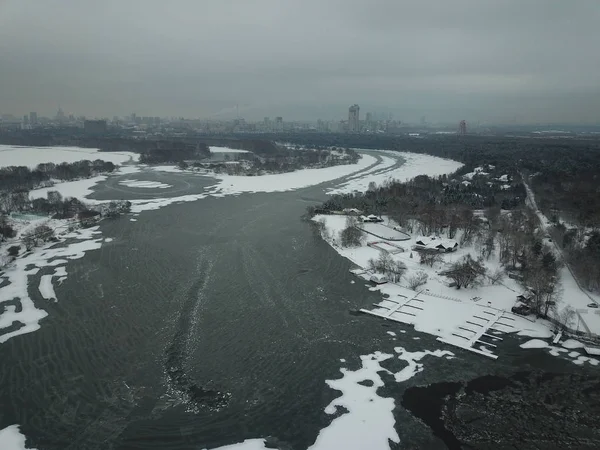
482	60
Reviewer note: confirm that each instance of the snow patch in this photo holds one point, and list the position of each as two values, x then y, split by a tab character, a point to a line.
414	164
572	343
83	240
369	422
78	189
46	288
226	150
250	444
535	343
12	439
144	184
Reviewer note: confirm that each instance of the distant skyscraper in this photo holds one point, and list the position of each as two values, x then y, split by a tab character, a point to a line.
353	119
33	118
279	124
60	115
25	119
462	127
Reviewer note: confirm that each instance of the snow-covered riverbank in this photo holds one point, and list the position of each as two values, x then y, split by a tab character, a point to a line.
455	316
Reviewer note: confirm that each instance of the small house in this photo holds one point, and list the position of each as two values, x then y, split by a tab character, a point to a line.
378	278
436	245
352	211
371	218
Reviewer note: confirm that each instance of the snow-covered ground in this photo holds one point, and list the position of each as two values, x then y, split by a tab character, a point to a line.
12	439
442	311
32	156
415	164
232	184
79	188
573	295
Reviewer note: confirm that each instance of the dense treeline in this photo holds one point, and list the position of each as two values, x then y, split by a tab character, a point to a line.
434	201
506	153
173	152
16	178
573	195
286	160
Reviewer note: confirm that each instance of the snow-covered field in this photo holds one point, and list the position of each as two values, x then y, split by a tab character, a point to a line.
79	188
32	156
415	164
442	311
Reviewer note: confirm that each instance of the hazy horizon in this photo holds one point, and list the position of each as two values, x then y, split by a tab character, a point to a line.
508	62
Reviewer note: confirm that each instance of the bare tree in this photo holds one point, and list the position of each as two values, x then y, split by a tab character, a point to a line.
492	214
417	280
429	258
351	236
545	289
29	240
55	199
467	272
565	317
43	233
496	276
383	264
397	270
488	245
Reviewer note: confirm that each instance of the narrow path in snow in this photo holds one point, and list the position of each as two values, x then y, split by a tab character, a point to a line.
543	223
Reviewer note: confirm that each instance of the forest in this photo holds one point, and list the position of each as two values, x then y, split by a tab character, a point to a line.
17	178
286	160
562	174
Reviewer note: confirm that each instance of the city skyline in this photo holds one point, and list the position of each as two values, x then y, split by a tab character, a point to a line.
507	62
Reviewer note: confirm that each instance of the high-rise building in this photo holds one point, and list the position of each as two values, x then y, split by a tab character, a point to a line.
25	119
60	115
279	124
33	120
353	119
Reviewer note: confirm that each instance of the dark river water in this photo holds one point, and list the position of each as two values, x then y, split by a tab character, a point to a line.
206	323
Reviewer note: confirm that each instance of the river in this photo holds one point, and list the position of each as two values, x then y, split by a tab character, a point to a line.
206	323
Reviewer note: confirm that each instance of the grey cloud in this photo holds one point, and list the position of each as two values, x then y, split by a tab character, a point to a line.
534	60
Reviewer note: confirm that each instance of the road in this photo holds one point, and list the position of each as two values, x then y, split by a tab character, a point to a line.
573	298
